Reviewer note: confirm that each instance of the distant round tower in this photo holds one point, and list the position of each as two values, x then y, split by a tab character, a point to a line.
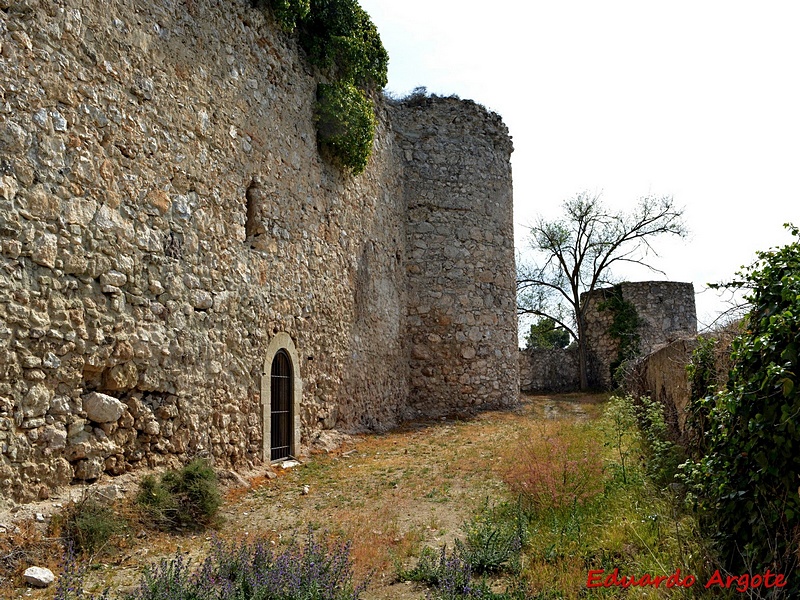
665	310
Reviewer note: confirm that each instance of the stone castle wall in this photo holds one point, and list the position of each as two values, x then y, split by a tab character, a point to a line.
165	214
543	370
666	310
661	375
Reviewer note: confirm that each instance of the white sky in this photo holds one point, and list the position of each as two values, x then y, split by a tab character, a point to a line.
697	99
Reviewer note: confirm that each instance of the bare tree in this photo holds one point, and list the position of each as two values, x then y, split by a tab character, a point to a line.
575	253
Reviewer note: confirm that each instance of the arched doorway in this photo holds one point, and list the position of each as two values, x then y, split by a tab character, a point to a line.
281	406
281	392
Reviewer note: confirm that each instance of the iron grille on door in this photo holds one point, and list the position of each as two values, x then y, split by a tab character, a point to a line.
281	406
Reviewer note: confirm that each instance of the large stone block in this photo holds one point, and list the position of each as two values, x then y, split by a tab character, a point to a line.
102	408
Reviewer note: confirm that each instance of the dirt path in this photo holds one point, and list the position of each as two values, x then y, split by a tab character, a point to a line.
390	494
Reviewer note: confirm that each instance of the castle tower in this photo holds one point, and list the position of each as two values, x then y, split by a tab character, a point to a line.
665	311
462	328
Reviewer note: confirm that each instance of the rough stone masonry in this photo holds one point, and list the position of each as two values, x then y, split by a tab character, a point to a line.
167	226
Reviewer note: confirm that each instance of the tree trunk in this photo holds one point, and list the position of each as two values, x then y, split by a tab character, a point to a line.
583	362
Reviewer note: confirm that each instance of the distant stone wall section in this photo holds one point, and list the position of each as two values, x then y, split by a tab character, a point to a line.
661	376
666	310
165	213
462	322
544	370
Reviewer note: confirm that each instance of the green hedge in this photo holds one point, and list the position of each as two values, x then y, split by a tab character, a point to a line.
747	481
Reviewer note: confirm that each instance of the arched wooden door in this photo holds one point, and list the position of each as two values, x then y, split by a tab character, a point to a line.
281	400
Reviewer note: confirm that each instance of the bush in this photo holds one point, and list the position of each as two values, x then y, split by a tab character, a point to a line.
88	525
450	577
747	481
494	540
345	124
189	497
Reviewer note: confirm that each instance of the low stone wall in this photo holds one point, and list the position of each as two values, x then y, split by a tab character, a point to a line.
661	375
544	370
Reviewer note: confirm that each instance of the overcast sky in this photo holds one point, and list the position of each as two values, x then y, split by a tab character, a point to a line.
696	99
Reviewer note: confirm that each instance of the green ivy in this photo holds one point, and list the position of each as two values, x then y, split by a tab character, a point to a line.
338	34
339	37
747	481
702	373
345	124
624	327
289	13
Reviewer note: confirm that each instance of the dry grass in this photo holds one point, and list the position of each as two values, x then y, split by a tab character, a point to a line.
21	547
392	494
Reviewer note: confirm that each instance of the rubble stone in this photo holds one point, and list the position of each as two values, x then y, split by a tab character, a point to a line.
102	408
40	577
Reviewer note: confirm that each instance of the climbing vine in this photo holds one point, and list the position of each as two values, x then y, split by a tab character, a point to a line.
345	124
702	373
339	37
624	328
746	481
288	13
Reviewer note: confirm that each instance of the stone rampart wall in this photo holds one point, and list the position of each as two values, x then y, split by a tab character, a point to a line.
661	376
164	214
549	370
666	312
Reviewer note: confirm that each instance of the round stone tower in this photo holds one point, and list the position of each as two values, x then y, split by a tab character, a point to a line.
462	328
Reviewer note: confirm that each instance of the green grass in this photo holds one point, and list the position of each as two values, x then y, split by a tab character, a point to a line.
630	523
581	496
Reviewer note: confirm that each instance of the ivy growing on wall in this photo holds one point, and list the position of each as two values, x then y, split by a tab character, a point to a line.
339	37
746	481
345	124
624	328
288	13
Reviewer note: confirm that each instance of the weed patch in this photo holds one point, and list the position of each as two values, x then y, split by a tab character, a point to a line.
555	470
189	497
22	546
88	525
316	570
630	524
